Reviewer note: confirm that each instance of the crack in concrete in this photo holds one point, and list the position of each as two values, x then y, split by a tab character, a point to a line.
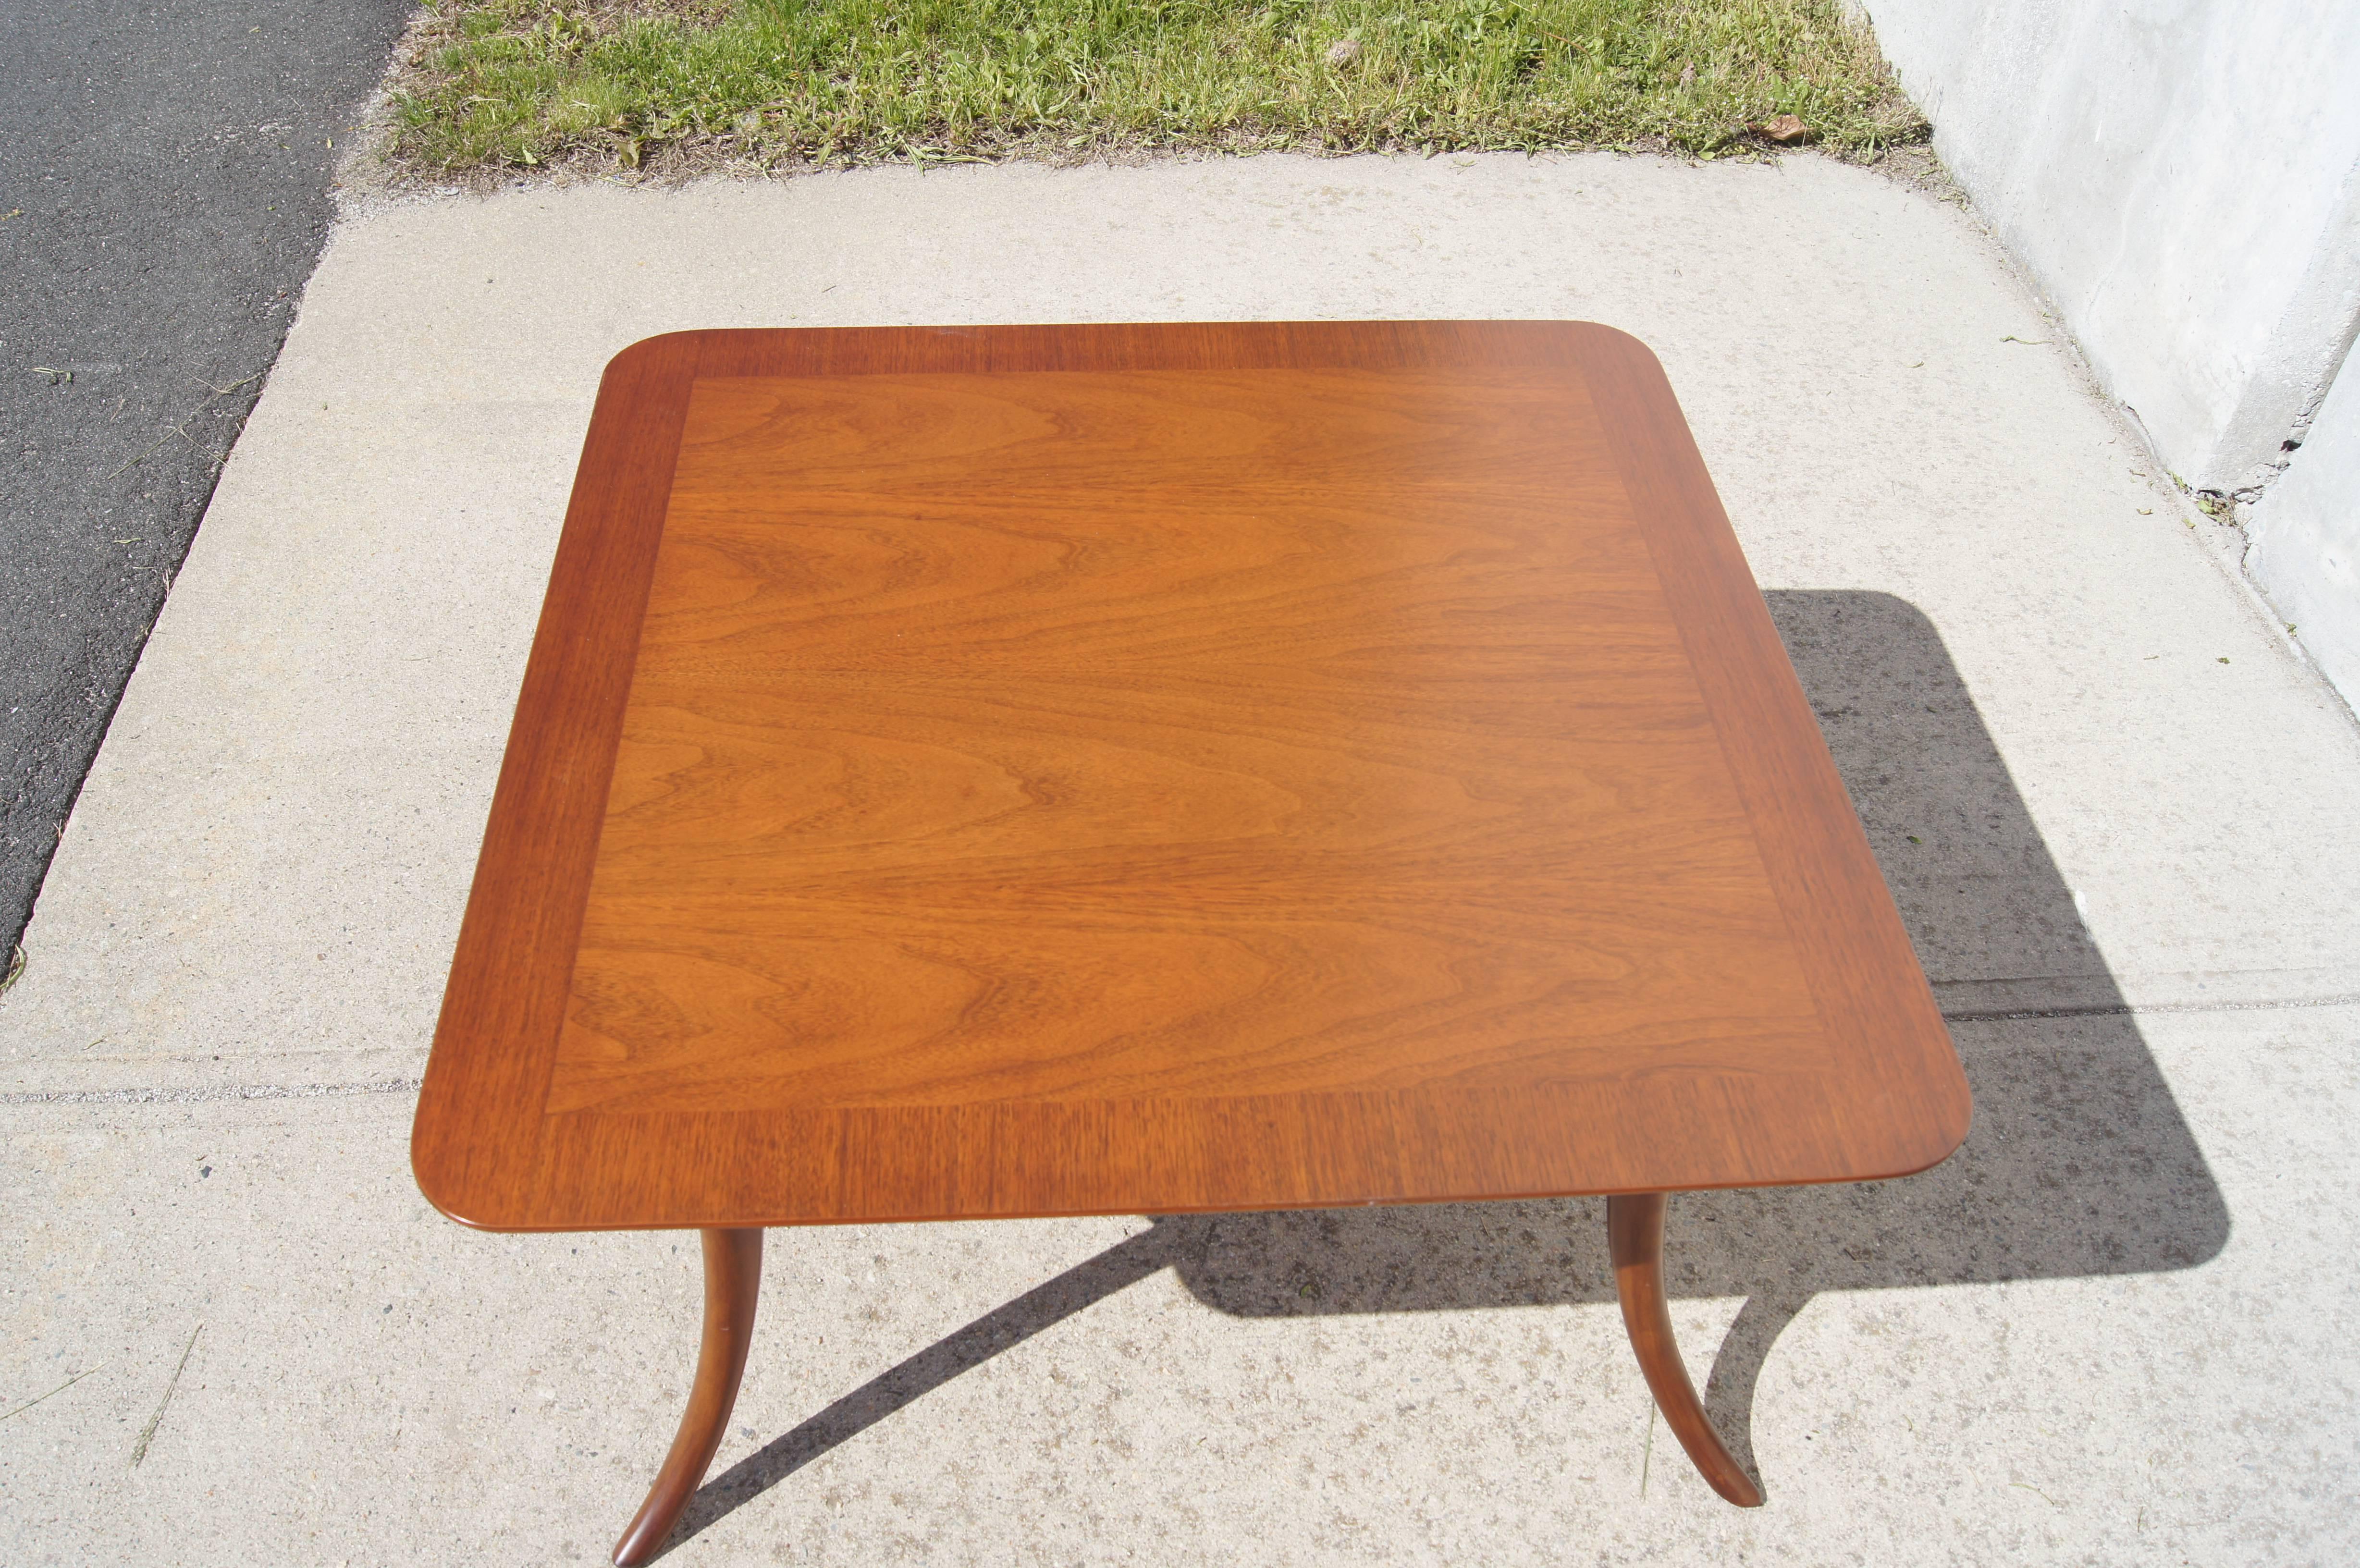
2143	1009
205	1092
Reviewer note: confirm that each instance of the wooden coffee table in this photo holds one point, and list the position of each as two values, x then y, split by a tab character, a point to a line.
974	772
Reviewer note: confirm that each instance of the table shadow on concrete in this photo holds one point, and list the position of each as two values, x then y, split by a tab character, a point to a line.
2079	1163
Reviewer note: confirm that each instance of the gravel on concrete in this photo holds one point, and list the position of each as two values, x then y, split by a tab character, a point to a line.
164	178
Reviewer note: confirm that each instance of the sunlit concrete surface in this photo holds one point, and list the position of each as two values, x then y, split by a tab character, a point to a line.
2112	801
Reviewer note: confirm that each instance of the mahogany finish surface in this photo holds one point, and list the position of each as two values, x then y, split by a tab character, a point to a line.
1034	770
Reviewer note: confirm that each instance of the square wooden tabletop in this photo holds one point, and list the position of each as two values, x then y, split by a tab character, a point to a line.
971	772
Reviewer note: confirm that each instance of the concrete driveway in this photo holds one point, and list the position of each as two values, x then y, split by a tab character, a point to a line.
2112	801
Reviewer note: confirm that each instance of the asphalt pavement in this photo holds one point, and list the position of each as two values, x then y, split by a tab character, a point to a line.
164	192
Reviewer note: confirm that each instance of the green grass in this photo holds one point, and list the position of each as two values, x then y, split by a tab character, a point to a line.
692	84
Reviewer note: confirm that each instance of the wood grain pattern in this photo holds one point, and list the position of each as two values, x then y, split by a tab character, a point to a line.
1094	769
1077	736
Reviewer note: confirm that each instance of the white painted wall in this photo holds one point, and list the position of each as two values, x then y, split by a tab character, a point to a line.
2306	534
2182	177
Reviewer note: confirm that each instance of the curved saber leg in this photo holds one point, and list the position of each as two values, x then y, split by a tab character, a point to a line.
1635	1235
733	1279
